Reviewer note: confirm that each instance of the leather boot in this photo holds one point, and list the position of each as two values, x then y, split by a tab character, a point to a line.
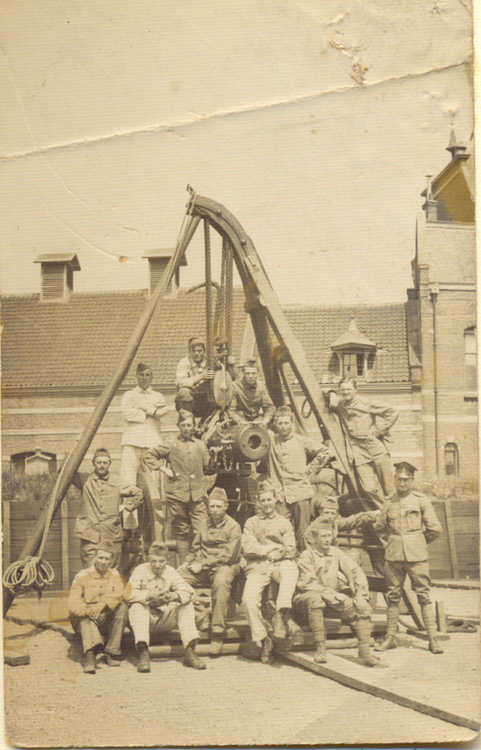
363	631
390	639
316	624
279	627
182	549
111	660
191	659
89	662
267	657
143	665
430	625
216	643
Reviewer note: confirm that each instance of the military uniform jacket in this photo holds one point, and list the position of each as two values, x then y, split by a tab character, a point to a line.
411	524
188	458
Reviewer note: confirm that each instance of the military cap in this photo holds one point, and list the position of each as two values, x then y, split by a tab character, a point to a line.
264	485
405	465
101	452
321	525
184	414
141	367
218	493
105	546
196	340
329	502
157	548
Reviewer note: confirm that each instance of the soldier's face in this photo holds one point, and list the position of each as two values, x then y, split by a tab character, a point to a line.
250	375
101	466
157	564
267	503
102	560
217	509
144	379
403	481
323	540
348	391
186	427
328	514
197	352
284	425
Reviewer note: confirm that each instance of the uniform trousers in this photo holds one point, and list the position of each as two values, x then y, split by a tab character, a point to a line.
380	468
130	461
220	580
285	573
88	549
395	573
299	514
111	629
197	402
305	602
146	621
186	516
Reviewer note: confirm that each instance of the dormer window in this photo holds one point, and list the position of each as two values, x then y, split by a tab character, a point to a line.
57	271
158	262
353	349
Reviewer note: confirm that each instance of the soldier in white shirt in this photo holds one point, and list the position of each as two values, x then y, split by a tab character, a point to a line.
142	409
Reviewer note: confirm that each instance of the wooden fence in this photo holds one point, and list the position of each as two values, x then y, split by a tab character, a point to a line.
454	555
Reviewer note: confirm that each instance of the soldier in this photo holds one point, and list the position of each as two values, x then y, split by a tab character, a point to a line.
292	461
213	561
191	379
327	580
329	511
250	399
367	425
188	458
269	546
160	600
409	520
104	497
96	608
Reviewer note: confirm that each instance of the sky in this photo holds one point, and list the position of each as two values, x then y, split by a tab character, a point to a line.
314	123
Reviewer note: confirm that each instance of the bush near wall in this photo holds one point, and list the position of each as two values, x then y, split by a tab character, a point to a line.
20	487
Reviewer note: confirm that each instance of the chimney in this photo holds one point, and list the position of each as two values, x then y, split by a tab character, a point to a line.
57	275
158	260
457	150
431	205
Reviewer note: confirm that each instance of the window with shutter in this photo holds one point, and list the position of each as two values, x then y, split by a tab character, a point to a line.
157	268
53	281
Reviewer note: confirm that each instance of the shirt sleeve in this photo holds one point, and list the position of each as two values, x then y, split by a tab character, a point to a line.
233	411
267	406
231	551
76	601
317	454
388	414
113	598
381	523
183	589
131	490
432	525
288	541
307	580
356	520
182	377
361	586
152	456
251	547
131	412
136	588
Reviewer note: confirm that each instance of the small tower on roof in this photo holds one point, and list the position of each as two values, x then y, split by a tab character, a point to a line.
353	349
158	261
457	150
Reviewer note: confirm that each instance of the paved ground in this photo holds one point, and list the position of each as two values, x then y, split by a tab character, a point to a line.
236	701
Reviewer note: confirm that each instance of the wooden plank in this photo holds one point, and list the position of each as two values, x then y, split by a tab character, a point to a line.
6	534
451	539
15	658
64	546
346	673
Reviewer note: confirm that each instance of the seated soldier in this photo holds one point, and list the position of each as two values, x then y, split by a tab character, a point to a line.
325	574
250	399
96	608
192	380
329	511
160	600
213	561
269	546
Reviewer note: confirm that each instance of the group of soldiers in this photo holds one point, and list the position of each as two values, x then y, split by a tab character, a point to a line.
281	544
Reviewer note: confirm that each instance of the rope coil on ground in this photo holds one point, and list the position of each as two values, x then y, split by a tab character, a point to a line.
24	575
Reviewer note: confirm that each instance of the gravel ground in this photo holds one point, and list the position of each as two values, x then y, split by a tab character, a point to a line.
52	703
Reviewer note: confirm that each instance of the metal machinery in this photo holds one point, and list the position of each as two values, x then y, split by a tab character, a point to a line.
234	450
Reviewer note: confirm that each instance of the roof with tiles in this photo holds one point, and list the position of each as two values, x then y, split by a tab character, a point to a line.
450	253
79	342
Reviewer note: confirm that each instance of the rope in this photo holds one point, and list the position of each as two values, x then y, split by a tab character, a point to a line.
208	295
229	293
219	322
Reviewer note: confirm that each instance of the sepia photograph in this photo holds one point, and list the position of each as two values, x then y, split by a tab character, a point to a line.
240	473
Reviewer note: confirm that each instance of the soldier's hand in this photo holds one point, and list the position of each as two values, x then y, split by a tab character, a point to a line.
333	400
360	604
208	375
171	596
168	472
339	596
95	609
275	555
195	566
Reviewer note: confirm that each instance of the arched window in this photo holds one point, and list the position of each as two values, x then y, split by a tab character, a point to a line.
451	460
470	360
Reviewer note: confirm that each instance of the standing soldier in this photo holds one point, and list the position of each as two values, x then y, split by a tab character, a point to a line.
188	458
250	399
409	520
293	461
367	425
192	380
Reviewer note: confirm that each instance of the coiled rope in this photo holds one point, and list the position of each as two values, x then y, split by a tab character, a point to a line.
33	572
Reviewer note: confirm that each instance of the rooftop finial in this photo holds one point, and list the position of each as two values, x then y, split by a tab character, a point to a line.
456	149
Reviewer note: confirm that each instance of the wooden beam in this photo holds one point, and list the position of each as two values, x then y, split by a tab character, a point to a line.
357	677
6	533
64	546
